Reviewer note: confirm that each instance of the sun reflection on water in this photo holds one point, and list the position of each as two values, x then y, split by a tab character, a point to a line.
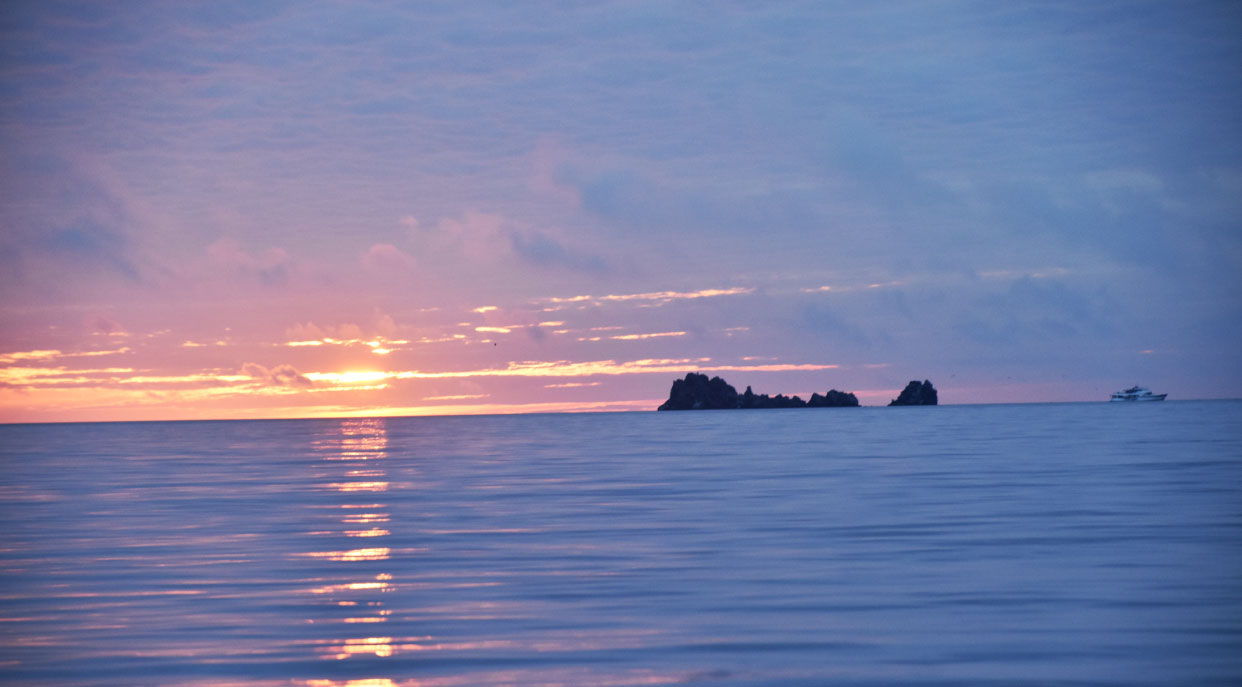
373	532
359	486
359	440
354	604
378	553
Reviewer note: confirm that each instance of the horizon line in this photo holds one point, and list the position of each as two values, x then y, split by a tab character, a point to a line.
583	411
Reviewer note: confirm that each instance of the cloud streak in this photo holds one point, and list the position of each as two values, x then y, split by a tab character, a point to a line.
566	368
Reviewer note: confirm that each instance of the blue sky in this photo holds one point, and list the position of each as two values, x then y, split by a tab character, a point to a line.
1020	202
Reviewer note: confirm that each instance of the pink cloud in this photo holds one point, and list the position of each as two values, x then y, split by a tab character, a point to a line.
270	267
385	325
385	256
281	375
107	327
474	235
305	332
546	161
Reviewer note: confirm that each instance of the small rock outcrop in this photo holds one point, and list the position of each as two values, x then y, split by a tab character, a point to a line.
916	393
697	392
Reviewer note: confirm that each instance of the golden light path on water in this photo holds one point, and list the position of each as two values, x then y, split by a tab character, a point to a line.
362	451
357	458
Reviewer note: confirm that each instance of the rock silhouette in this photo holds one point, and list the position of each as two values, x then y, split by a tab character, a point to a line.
916	394
697	392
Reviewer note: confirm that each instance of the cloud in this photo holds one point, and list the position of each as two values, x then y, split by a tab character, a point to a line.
48	354
70	223
637	200
827	323
105	326
566	368
478	236
281	375
474	232
305	332
94	243
385	256
54	354
541	250
1039	313
455	397
640	337
384	332
651	297
270	268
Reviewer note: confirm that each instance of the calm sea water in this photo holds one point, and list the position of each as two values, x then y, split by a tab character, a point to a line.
1018	545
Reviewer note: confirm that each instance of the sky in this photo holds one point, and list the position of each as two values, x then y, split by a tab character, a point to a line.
307	209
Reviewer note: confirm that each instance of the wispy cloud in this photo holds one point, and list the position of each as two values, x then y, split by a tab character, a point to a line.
648	297
641	337
455	397
33	377
379	345
566	368
51	354
9	358
281	375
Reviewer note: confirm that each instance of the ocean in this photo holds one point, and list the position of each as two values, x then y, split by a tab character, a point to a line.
1057	544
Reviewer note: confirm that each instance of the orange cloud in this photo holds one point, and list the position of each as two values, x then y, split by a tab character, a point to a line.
10	358
41	376
53	354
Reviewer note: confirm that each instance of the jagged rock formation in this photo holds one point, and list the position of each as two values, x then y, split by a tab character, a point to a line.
916	394
697	392
833	399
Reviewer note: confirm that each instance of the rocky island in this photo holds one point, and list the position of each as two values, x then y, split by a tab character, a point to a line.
916	394
697	392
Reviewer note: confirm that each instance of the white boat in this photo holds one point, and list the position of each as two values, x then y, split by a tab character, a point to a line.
1137	393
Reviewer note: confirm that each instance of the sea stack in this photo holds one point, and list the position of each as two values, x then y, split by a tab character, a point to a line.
916	394
697	392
